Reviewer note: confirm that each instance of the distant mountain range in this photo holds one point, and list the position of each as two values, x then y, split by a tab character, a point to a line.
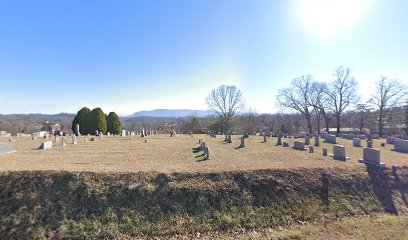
170	113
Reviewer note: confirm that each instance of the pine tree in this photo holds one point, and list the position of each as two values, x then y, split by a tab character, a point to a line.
113	123
82	119
97	121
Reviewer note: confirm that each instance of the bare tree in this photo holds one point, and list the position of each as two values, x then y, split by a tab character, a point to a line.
225	102
297	97
319	101
362	109
341	93
388	94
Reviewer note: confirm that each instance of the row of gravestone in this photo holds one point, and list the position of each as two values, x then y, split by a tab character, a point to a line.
371	156
48	144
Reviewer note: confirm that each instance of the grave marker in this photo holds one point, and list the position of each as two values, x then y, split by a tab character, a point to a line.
206	154
74	139
316	139
307	140
325	152
371	156
330	139
357	142
298	145
242	145
46	145
339	153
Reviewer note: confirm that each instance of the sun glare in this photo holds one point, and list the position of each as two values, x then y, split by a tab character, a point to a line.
330	17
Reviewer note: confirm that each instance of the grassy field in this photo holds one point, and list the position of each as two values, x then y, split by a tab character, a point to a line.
167	154
383	226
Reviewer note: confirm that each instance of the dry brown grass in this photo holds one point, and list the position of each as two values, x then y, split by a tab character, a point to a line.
162	153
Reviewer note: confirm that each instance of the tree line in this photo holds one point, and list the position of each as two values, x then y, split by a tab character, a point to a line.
331	100
96	120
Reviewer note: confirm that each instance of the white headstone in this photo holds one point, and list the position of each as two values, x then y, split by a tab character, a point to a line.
74	139
46	145
77	130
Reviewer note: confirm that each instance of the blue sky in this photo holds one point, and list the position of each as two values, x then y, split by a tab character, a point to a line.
126	56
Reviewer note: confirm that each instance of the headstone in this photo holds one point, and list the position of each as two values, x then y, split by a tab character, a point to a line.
369	144
108	133
311	149
202	145
63	142
77	130
371	156
285	144
339	153
329	138
100	135
279	138
401	146
357	142
229	139
207	154
74	139
46	145
242	145
96	132
264	137
123	133
307	140
6	148
325	152
86	139
316	139
298	145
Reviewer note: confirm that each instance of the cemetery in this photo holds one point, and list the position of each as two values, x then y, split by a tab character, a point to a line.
167	154
144	177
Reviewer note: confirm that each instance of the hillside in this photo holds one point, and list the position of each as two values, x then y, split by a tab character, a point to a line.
62	205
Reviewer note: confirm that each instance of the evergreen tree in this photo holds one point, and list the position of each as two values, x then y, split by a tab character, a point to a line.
113	123
82	119
97	121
